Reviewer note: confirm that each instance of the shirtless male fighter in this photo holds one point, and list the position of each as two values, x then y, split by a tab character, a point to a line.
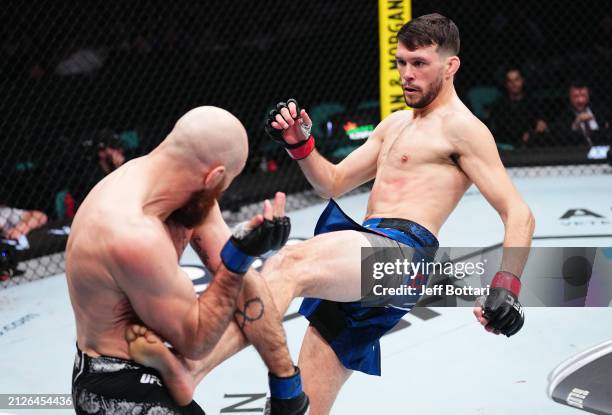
122	268
422	161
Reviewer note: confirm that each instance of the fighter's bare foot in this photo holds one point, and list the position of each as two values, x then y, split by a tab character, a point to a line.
148	349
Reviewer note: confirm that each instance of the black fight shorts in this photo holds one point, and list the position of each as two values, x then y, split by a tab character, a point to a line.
109	385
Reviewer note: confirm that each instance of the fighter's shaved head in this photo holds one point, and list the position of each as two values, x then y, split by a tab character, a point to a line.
209	136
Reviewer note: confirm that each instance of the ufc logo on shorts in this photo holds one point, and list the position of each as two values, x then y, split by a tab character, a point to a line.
576	397
150	379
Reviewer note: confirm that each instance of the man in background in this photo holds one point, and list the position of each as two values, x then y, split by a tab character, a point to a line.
515	118
581	122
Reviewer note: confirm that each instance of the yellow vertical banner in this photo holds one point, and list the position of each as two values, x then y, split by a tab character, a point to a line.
392	15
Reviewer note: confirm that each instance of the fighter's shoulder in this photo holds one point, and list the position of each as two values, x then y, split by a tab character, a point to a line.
392	121
462	125
138	240
396	117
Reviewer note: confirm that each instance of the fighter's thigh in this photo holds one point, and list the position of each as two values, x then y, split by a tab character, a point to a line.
326	266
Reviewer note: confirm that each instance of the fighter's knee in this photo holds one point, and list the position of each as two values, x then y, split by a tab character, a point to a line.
286	259
292	256
284	268
272	263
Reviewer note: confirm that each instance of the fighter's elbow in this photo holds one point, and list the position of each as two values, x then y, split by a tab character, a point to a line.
519	216
182	343
530	221
324	193
526	217
326	190
333	185
188	340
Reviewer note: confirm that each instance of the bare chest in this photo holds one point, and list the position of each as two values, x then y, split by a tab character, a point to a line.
414	145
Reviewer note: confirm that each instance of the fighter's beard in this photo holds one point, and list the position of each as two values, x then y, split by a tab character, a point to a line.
193	213
427	99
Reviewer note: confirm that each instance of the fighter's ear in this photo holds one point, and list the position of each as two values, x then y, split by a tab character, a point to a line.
214	176
452	65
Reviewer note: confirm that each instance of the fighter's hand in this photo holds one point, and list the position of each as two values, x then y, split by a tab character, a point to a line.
263	233
500	311
288	124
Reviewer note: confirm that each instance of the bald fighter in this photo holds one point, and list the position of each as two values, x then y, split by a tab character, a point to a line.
422	161
122	268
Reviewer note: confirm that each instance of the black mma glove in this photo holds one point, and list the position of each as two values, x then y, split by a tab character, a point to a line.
246	244
501	307
298	150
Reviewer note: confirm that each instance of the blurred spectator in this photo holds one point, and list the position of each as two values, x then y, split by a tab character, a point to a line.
111	152
104	154
15	223
581	122
516	117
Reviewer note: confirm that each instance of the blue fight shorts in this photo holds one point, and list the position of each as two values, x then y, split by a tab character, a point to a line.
351	329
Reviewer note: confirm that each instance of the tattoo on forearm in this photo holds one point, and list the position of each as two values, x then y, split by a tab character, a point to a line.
253	310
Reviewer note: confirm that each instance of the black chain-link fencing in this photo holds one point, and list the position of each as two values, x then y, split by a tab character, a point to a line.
530	70
86	86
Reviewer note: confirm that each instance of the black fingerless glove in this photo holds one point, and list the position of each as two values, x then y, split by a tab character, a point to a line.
501	307
299	150
246	245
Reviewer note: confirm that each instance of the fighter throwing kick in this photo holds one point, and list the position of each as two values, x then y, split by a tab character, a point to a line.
422	161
